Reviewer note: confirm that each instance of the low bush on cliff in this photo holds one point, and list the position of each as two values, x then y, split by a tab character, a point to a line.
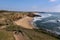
12	28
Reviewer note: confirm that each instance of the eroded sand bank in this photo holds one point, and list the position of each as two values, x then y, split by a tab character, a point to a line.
25	22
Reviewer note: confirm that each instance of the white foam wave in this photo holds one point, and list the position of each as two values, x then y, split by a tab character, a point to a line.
54	21
36	18
58	27
42	16
45	15
50	14
57	33
59	20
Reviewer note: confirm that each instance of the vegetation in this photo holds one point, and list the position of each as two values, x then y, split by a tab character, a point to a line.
12	28
5	35
32	34
37	35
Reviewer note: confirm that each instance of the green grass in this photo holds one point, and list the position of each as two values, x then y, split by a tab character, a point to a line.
4	35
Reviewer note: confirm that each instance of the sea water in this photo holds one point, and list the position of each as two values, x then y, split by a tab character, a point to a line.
48	21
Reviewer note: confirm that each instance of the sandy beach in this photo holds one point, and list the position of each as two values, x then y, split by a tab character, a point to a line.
25	22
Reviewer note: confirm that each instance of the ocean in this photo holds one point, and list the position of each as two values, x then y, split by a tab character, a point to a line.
48	21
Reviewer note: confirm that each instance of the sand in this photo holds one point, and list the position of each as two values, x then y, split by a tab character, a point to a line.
25	22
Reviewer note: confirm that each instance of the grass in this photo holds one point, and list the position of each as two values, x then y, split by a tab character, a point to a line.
12	28
4	35
32	33
35	35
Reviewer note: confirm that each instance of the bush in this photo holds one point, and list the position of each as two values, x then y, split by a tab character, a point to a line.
12	28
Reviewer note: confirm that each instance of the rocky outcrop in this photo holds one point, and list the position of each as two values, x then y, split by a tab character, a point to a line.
33	15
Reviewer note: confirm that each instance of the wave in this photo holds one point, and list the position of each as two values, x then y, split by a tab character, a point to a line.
54	21
42	16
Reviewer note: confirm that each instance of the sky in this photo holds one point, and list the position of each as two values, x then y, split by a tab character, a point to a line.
30	5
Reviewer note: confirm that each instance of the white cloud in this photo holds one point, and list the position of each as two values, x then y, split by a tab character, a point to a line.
55	8
34	7
52	0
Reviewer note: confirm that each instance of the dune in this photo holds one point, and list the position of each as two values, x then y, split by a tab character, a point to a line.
25	22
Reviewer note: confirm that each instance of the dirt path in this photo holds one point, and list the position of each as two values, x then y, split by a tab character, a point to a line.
20	36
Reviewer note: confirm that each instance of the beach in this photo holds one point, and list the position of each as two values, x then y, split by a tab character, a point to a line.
25	22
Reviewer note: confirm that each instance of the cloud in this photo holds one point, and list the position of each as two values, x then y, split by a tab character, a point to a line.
55	8
52	0
34	8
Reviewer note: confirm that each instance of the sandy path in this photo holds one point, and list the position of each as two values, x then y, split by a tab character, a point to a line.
18	36
25	22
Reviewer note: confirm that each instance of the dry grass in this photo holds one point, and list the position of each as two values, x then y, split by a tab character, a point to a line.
35	35
4	35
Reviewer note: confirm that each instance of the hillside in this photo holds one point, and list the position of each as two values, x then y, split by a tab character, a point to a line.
17	26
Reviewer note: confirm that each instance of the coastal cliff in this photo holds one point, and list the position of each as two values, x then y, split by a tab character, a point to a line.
17	25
